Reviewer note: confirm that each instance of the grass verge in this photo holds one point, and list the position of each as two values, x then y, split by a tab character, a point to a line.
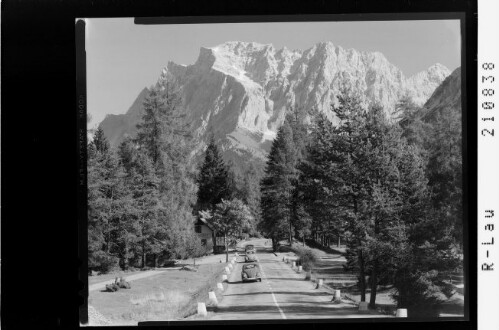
166	296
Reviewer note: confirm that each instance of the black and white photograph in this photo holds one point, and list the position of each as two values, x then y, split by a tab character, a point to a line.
288	170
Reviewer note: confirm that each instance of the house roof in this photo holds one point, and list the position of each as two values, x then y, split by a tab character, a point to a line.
205	223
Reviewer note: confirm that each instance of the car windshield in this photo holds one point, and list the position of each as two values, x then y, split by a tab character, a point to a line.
249	247
250	266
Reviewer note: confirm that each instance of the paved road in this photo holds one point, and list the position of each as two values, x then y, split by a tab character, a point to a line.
282	294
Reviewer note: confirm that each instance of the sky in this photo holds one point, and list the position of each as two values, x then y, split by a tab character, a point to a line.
123	58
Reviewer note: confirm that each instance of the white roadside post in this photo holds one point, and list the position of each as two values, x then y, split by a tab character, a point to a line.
227	270
363	306
401	312
337	295
230	266
220	286
319	283
300	268
202	309
213	298
286	260
224	278
293	265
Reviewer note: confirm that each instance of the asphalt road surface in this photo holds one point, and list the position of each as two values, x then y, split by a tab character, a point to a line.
282	294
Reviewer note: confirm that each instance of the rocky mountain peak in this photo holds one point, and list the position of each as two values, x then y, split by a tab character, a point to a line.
241	91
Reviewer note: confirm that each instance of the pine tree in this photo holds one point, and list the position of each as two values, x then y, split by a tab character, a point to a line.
106	201
100	142
277	186
213	179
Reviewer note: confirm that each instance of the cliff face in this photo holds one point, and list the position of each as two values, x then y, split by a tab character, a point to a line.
446	99
241	91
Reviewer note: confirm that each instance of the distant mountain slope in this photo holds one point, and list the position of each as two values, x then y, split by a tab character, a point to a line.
242	90
116	127
446	97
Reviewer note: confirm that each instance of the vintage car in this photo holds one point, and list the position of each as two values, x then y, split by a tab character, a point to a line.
249	247
250	256
251	272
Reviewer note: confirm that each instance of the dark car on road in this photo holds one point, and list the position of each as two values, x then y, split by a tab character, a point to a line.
251	272
249	247
250	256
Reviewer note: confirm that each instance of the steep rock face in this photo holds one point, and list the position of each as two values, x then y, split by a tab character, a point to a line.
241	91
116	127
447	97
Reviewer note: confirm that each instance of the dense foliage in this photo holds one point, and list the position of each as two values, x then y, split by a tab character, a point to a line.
390	188
140	196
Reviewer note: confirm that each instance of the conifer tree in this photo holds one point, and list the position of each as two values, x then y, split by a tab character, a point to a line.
213	179
277	186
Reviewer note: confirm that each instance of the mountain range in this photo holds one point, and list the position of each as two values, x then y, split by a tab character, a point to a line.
241	91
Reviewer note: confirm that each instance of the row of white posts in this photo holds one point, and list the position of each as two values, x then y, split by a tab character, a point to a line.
211	295
363	306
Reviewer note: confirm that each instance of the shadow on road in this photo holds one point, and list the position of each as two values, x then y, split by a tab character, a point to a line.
313	294
317	309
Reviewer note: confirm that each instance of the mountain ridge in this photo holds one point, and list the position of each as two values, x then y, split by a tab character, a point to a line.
241	91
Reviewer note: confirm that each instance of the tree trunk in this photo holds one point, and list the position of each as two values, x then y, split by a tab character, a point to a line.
125	256
290	233
303	240
143	253
362	277
155	260
226	248
374	285
338	240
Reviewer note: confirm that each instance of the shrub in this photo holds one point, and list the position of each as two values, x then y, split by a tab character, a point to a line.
103	262
112	287
420	293
306	258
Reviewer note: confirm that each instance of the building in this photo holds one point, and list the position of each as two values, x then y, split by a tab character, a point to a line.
208	235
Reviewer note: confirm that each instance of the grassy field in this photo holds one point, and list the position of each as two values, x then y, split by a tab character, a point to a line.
166	296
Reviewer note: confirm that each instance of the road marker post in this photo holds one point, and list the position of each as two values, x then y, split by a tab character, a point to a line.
401	312
286	260
300	268
227	270
363	306
220	286
319	283
224	278
230	266
202	309
293	265
213	298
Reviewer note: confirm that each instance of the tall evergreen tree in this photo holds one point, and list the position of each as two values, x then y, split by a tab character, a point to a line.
213	179
277	186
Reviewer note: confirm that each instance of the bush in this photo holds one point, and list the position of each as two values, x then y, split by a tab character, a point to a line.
306	258
420	293
103	262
